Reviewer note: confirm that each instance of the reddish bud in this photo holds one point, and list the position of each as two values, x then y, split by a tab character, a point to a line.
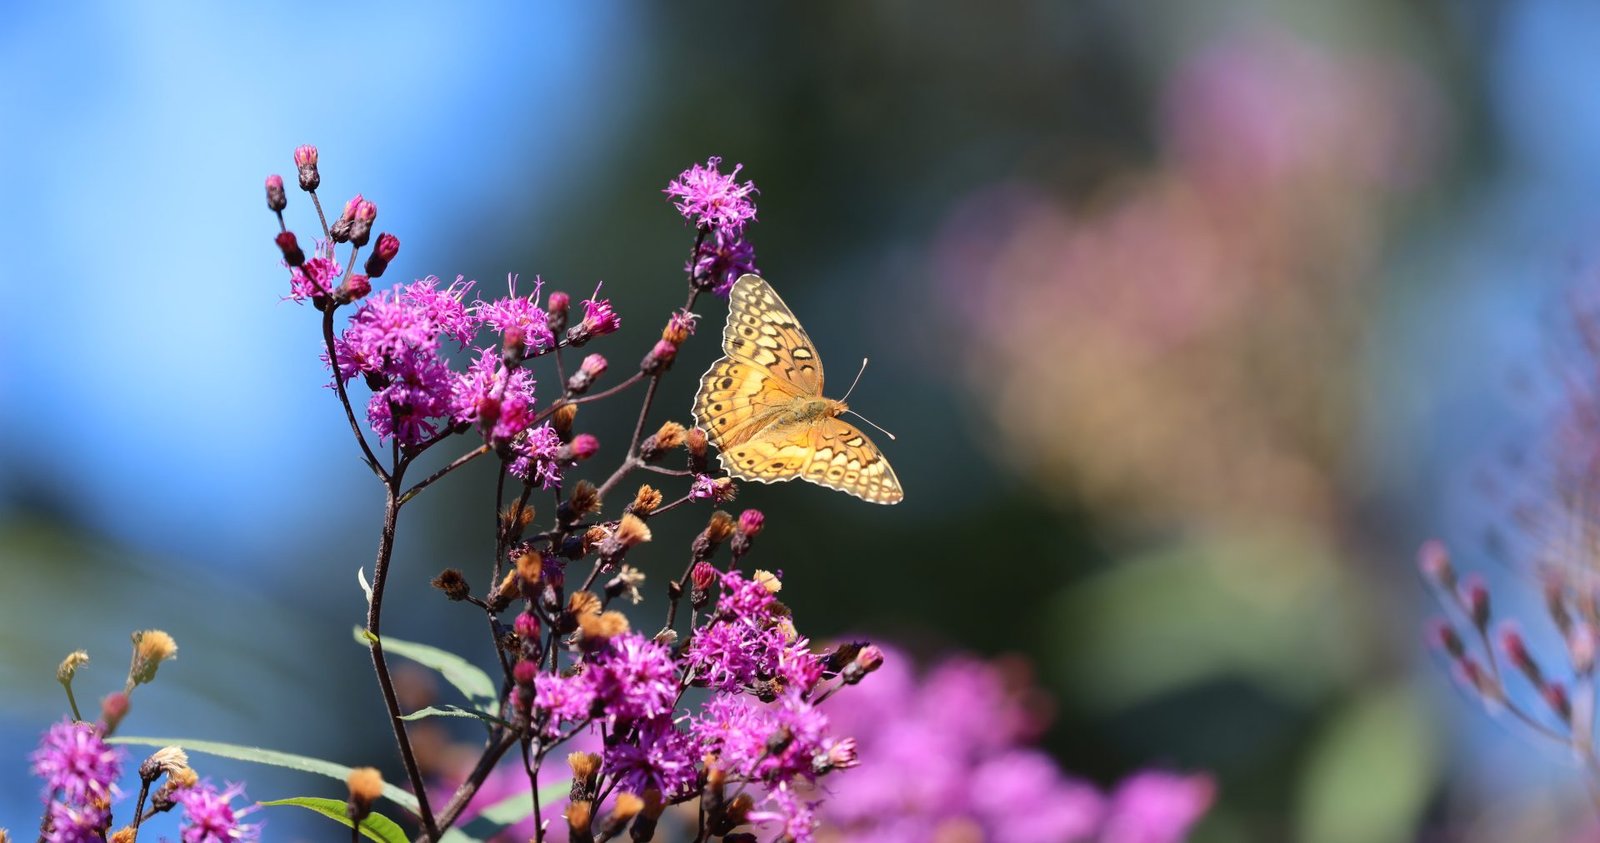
527	626
1516	652
388	246
366	211
112	709
1445	637
703	575
557	308
1434	561
354	288
1475	601
524	673
276	199
588	372
660	358
1581	645
290	248
751	521
584	446
1555	696
1472	675
868	659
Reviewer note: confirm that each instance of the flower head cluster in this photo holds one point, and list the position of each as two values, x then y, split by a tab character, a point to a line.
721	207
76	764
750	643
949	750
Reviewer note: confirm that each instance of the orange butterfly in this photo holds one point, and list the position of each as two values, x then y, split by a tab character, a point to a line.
762	405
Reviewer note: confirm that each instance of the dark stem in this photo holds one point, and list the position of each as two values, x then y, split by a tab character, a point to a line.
320	217
438	475
72	701
380	575
138	808
344	397
469	788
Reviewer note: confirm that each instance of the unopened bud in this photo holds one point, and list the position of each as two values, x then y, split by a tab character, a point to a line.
1581	645
361	225
354	288
868	659
582	447
1475	601
276	199
557	306
588	372
749	526
1433	558
378	262
112	709
1516	652
659	359
305	158
1446	638
290	248
1555	696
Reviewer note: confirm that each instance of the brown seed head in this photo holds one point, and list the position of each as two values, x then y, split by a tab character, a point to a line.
768	580
562	419
151	647
645	502
632	531
366	785
453	583
720	527
530	567
581	603
69	666
579	814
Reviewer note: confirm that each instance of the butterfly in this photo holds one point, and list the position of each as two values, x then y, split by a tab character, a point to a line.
762	405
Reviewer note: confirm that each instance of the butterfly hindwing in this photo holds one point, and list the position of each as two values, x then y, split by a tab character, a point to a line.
735	399
763	331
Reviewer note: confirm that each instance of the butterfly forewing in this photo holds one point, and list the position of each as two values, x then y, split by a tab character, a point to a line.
762	330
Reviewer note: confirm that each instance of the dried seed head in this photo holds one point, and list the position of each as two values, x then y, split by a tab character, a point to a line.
121	835
579	814
151	647
168	759
585	500
530	567
626	807
453	583
69	666
562	418
602	627
720	527
504	593
632	531
366	785
695	440
645	501
582	603
585	766
626	582
593	538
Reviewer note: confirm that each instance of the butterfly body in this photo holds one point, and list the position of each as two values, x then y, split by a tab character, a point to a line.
762	405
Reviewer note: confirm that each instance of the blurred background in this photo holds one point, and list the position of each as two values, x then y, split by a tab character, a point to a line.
1193	319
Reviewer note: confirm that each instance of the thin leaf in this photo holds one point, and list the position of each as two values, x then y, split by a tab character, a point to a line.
457	671
361	578
375	827
518	807
269	756
452	711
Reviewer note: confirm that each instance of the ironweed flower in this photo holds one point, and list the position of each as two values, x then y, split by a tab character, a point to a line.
712	199
209	815
75	762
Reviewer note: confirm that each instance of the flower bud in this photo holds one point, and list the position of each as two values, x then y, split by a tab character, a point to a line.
556	309
1555	696
749	526
659	359
527	626
679	326
340	230
354	288
582	447
112	709
841	756
1475	601
290	248
276	199
1516	652
1581	646
588	372
1447	639
525	672
361	224
305	158
377	262
868	659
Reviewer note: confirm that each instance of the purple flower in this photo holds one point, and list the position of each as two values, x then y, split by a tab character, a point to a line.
745	644
417	395
711	199
208	816
76	764
1057	808
537	457
598	316
655	755
797	816
721	259
773	742
324	272
498	399
704	488
520	313
566	698
634	677
1156	807
71	823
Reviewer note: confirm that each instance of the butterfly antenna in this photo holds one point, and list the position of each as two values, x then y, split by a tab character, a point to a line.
869	421
853	383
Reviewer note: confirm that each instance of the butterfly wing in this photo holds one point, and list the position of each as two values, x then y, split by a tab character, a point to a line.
761	330
770	362
831	453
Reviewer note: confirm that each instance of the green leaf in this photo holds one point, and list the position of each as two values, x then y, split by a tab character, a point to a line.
452	711
518	807
273	757
375	827
457	671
